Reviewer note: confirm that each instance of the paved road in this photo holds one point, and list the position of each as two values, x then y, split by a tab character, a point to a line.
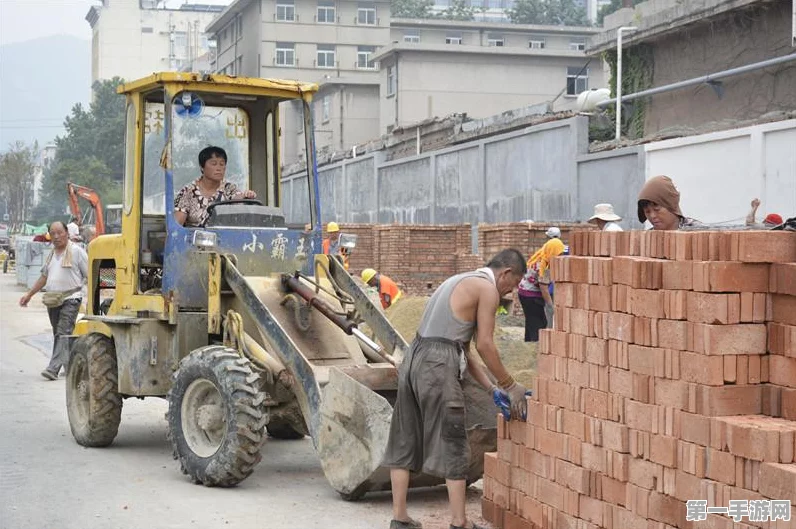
48	481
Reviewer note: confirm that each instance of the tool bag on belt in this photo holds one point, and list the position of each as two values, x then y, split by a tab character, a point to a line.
52	300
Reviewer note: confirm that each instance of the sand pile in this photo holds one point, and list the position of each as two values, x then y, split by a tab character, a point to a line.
518	357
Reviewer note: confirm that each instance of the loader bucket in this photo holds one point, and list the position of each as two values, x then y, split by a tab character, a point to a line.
347	402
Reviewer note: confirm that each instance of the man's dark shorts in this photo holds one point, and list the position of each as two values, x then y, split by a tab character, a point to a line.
427	432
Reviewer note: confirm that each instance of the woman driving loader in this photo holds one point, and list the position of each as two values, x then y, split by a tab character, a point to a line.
192	201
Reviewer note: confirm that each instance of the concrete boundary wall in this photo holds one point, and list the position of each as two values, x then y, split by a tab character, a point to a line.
546	174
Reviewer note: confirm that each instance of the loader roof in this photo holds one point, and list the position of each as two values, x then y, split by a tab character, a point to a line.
218	82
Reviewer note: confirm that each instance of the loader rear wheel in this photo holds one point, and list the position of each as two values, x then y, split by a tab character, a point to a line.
216	416
283	430
93	403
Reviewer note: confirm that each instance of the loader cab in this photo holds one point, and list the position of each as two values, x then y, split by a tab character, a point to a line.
171	117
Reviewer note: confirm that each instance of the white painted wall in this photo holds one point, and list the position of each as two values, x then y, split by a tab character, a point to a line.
718	174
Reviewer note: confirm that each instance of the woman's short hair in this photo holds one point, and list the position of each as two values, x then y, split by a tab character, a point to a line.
209	152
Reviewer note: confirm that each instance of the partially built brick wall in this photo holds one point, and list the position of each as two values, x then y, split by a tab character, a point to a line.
420	257
670	376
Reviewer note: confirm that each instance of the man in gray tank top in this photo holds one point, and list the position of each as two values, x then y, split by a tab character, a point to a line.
427	433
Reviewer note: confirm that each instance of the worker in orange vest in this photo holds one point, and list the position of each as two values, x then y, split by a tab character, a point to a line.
388	290
331	244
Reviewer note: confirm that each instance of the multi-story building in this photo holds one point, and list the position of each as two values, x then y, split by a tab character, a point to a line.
134	38
330	42
351	49
440	67
686	42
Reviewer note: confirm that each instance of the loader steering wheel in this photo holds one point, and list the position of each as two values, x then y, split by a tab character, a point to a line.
250	201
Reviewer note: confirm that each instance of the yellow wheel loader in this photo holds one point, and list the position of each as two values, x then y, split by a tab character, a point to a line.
242	324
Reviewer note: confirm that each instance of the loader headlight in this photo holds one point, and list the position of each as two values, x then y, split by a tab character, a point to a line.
204	239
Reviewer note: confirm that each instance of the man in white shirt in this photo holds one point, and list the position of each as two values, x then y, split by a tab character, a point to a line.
605	218
74	230
65	271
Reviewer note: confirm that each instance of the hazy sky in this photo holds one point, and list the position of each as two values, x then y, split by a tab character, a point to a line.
22	20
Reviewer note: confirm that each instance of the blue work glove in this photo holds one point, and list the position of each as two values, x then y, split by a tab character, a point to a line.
501	399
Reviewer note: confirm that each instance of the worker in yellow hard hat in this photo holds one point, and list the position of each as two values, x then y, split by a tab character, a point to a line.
331	244
388	290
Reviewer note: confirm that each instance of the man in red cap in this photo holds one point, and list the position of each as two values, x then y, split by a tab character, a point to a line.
772	219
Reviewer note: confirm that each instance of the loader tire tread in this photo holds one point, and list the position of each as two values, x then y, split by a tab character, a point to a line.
244	410
92	374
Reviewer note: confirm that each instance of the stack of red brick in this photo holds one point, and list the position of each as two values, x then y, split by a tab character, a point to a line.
670	376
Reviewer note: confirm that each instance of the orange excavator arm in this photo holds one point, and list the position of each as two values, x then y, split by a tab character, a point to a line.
93	199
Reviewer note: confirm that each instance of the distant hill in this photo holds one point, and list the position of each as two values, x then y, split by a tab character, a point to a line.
40	81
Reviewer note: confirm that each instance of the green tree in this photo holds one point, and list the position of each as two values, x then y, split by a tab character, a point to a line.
17	177
91	153
411	8
611	8
548	12
459	10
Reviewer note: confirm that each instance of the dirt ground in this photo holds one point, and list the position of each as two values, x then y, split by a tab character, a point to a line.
518	356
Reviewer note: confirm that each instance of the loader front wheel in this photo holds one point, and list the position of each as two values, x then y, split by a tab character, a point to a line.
216	416
93	403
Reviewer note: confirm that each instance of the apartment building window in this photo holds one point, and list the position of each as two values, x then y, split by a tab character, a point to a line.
577	80
180	39
326	106
285	11
285	54
494	40
412	37
240	27
453	38
326	56
391	81
364	54
147	29
577	44
366	14
537	43
326	12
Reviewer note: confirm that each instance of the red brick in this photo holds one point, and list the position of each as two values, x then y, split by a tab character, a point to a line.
620	382
489	512
533	511
647	303
618	354
702	369
687	486
590	509
551	443
674	304
673	334
637	500
593	457
677	275
615	436
691	458
720	466
778	481
645	331
573	477
782	339
637	272
550	493
713	308
597	351
671	393
645	474
574	424
643	388
666	509
721	401
639	416
783	371
512	521
781	309
620	327
558	343
599	298
746	338
639	443
540	464
620	298
594	403
766	247
722	276
783	279
580	322
614	492
577	373
788	405
753	307
663	450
